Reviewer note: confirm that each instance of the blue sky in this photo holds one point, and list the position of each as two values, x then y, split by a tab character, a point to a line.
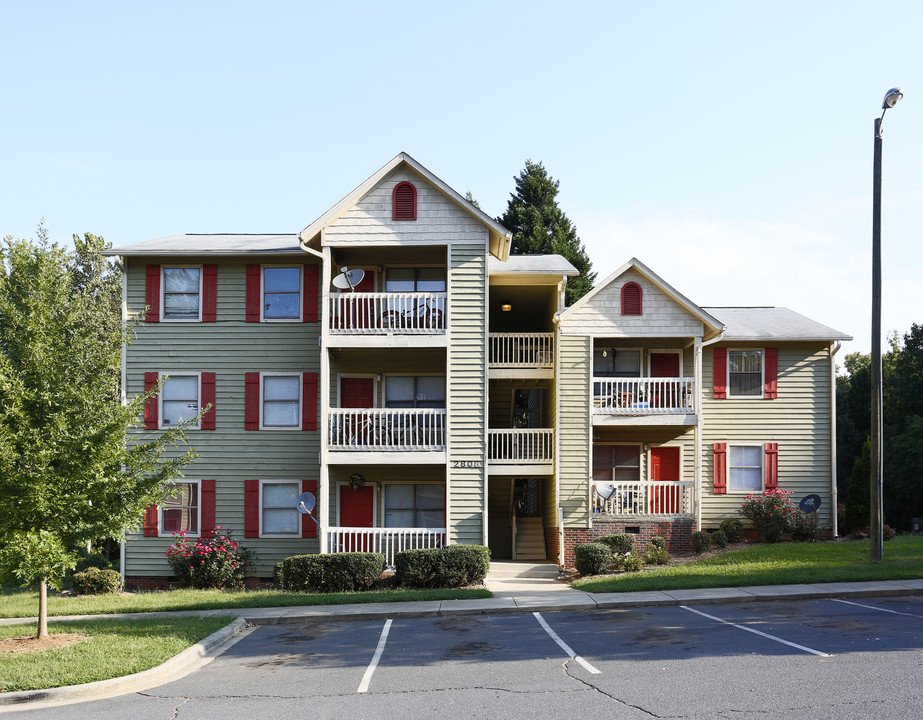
728	145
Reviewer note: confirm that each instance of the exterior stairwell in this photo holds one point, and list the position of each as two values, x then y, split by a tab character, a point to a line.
530	539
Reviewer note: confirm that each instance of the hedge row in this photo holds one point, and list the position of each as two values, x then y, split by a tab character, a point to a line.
451	566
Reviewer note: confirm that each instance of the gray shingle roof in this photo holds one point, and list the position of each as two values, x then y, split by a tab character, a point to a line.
213	244
532	265
776	323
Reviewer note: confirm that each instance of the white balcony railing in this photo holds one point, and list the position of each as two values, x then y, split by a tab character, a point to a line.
520	446
402	313
643	396
387	541
522	350
644	498
386	429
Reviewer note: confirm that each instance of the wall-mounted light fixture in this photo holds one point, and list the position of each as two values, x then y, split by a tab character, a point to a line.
356	481
506	307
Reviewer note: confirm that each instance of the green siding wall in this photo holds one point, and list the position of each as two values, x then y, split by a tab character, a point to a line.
574	441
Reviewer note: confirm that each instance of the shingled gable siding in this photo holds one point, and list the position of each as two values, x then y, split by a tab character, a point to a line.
229	348
574	441
798	420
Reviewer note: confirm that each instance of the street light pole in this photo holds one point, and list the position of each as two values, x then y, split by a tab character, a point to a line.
875	495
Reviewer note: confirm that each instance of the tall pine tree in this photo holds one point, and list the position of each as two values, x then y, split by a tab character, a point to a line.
539	226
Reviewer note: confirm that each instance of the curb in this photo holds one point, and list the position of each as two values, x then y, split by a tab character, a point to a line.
190	659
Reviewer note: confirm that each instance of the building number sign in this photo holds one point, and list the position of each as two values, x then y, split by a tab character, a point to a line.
467	464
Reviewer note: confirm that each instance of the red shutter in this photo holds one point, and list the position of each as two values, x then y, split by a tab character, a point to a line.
150	521
252	401
309	299
253	293
308	526
208	398
207	498
151	420
772	466
721	477
251	508
209	293
404	202
309	401
771	372
152	294
631	299
721	374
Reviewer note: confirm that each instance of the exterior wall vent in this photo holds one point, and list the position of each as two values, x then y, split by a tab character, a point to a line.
404	202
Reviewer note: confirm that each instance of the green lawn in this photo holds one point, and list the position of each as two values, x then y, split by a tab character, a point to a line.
115	648
23	603
777	564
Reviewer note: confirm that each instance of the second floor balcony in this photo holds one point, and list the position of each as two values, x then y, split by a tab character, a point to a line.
521	450
386	430
521	355
624	400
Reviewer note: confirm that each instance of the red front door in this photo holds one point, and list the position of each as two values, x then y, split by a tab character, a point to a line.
664	365
357	393
664	473
665	394
356	511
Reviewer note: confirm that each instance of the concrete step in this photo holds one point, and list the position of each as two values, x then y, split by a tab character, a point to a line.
503	569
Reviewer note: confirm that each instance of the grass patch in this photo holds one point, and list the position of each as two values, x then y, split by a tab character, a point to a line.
776	564
114	648
24	603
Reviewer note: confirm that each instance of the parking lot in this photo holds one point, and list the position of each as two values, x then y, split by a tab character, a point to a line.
798	658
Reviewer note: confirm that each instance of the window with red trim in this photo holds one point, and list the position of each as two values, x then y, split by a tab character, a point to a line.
404	202
631	299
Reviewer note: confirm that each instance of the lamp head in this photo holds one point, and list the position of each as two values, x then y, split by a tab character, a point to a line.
892	97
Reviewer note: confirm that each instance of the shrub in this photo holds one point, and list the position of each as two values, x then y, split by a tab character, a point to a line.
657	553
90	559
771	513
592	558
733	529
619	543
804	526
330	573
701	541
215	562
451	566
97	581
631	562
719	538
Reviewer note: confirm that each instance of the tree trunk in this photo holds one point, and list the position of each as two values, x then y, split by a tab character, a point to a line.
42	609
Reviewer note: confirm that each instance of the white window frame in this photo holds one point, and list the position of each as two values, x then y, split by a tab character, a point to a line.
160	509
163	293
165	377
657	351
297	533
300	317
415	268
283	428
642	458
617	350
762	352
384	389
384	499
762	448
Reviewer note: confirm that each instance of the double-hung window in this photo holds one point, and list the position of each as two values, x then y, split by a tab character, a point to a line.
415	280
179	401
282	293
745	373
419	506
182	292
278	513
745	468
180	510
281	401
422	391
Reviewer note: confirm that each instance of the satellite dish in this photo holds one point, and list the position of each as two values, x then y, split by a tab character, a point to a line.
348	279
305	503
810	503
606	490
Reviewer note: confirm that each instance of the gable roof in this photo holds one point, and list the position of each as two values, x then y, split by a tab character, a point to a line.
772	323
713	326
500	237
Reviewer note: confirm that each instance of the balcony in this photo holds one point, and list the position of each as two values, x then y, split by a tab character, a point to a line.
651	401
644	498
523	451
361	315
387	541
381	431
521	355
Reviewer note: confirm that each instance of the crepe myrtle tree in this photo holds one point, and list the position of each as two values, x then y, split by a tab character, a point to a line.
70	472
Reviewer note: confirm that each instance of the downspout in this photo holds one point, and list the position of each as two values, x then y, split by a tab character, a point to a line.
700	424
833	349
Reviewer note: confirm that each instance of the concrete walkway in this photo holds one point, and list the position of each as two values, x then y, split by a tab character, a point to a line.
511	595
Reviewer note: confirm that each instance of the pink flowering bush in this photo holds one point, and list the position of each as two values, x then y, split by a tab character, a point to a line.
771	513
218	561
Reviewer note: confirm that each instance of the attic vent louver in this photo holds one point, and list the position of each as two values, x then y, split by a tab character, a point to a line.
404	202
631	299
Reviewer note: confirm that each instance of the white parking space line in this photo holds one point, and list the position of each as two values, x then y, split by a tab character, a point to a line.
757	632
564	646
872	607
370	670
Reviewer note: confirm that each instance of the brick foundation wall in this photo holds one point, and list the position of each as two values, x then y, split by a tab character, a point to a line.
552	543
677	533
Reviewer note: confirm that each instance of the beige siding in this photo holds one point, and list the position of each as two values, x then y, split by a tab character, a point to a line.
574	441
229	454
798	420
467	392
601	315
